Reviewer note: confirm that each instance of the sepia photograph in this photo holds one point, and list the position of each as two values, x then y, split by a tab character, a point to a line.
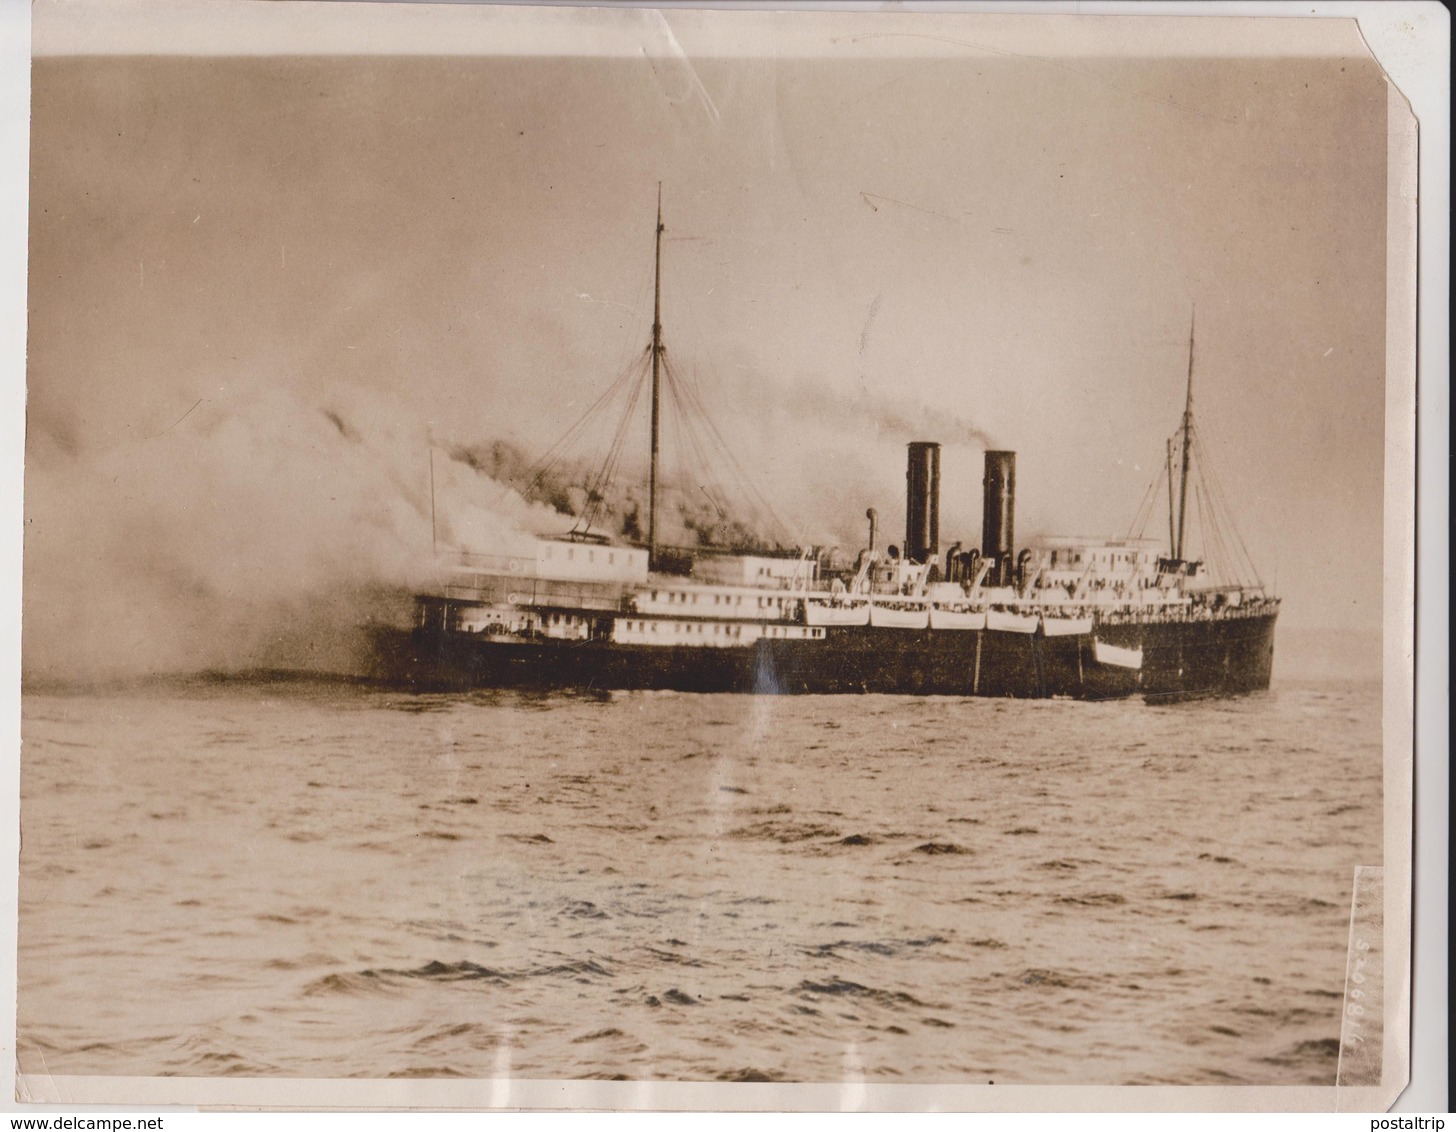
828	550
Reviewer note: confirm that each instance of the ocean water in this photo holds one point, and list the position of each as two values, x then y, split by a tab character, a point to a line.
323	880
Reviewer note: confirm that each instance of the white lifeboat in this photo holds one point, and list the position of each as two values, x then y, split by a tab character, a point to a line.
836	610
949	617
1116	656
899	613
1004	621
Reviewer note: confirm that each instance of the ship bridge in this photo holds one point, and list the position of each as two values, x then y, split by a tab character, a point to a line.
1072	561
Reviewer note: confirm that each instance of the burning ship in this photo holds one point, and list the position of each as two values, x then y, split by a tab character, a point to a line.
1079	618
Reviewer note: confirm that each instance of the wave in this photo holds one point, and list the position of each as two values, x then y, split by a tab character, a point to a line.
885	948
837	987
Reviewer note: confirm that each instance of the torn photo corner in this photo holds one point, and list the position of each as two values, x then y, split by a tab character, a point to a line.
635	559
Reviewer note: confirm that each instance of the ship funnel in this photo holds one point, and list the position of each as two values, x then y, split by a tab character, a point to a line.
998	516
922	501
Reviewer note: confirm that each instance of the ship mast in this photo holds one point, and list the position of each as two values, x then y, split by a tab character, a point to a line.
656	386
1172	536
1187	436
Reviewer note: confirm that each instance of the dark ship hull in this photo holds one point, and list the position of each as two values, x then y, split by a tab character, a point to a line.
1211	656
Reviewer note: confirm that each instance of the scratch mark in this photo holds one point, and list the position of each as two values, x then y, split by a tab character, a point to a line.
864	334
180	419
682	57
584	297
870	198
45	1072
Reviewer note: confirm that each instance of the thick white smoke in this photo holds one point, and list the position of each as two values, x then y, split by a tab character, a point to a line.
262	529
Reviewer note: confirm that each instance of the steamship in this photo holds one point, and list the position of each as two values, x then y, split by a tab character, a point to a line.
1069	617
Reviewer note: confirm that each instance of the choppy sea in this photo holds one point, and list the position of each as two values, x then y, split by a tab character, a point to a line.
318	879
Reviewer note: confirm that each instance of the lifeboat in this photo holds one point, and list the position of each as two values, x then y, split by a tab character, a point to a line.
836	611
1116	656
1004	621
949	617
899	614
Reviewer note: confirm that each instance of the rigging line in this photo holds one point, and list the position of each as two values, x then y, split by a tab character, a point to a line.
702	474
557	451
1223	568
683	416
1165	480
616	459
677	419
1228	564
592	507
559	466
595	485
1233	526
680	441
626	384
723	501
597	489
639	299
1154	495
747	489
628	346
1212	562
1203	537
704	456
1135	526
679	444
714	487
781	532
742	476
698	447
623	369
1234	570
1220	499
689	446
693	442
610	482
1208	533
549	458
1139	520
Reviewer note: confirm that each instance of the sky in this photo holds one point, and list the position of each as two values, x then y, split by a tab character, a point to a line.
262	287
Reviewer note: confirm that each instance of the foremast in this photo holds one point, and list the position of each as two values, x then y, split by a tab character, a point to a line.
656	386
1225	559
1187	447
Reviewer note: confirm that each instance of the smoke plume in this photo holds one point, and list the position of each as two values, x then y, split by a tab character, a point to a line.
260	530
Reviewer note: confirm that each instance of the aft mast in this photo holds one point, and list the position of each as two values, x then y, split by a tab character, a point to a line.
656	387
